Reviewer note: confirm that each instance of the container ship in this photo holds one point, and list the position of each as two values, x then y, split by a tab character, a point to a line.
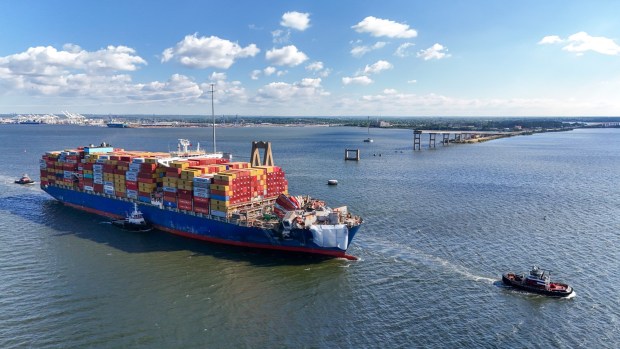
203	196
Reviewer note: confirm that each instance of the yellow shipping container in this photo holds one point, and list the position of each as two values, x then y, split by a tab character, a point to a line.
170	179
180	164
190	174
224	177
219	187
146	186
150	160
220	203
267	169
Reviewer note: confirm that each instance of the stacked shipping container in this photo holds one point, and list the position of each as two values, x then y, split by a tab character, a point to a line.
203	185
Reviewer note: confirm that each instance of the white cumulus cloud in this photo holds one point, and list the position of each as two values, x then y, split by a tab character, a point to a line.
71	71
582	42
296	20
384	27
217	76
306	90
357	80
360	50
378	67
402	51
315	66
204	52
50	61
269	71
281	36
287	55
434	52
550	39
318	68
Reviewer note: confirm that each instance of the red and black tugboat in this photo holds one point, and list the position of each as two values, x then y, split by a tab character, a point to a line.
538	281
24	180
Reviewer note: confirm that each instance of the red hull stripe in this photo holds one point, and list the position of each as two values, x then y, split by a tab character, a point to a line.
223	241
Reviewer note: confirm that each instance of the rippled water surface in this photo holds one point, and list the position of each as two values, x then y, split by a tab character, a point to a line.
441	227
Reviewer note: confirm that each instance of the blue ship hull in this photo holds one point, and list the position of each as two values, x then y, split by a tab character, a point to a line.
197	226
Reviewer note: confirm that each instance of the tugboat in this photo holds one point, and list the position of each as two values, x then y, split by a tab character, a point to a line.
538	281
24	180
134	221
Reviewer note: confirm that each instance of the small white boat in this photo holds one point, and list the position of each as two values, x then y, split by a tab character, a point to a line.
368	140
332	182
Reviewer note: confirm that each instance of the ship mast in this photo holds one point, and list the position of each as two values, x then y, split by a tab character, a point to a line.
213	115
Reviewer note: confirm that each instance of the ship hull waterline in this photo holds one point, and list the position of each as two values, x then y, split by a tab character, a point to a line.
194	226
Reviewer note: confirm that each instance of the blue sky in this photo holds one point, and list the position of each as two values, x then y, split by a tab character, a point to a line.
312	58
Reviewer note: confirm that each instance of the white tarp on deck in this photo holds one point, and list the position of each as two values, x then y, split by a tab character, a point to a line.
330	235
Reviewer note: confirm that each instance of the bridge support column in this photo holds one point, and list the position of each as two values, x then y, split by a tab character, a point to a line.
446	138
416	139
431	140
352	154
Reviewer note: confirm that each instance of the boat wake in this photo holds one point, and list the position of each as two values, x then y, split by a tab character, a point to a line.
409	254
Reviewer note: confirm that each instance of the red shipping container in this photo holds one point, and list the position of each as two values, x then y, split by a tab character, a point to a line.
184	202
185	196
184	207
207	161
170	196
120	194
144	193
98	188
200	200
146	167
173	172
184	192
131	185
146	180
203	210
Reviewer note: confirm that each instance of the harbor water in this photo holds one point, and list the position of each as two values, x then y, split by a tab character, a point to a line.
441	226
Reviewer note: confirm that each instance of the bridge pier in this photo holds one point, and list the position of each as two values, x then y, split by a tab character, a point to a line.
446	138
352	154
416	139
431	140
